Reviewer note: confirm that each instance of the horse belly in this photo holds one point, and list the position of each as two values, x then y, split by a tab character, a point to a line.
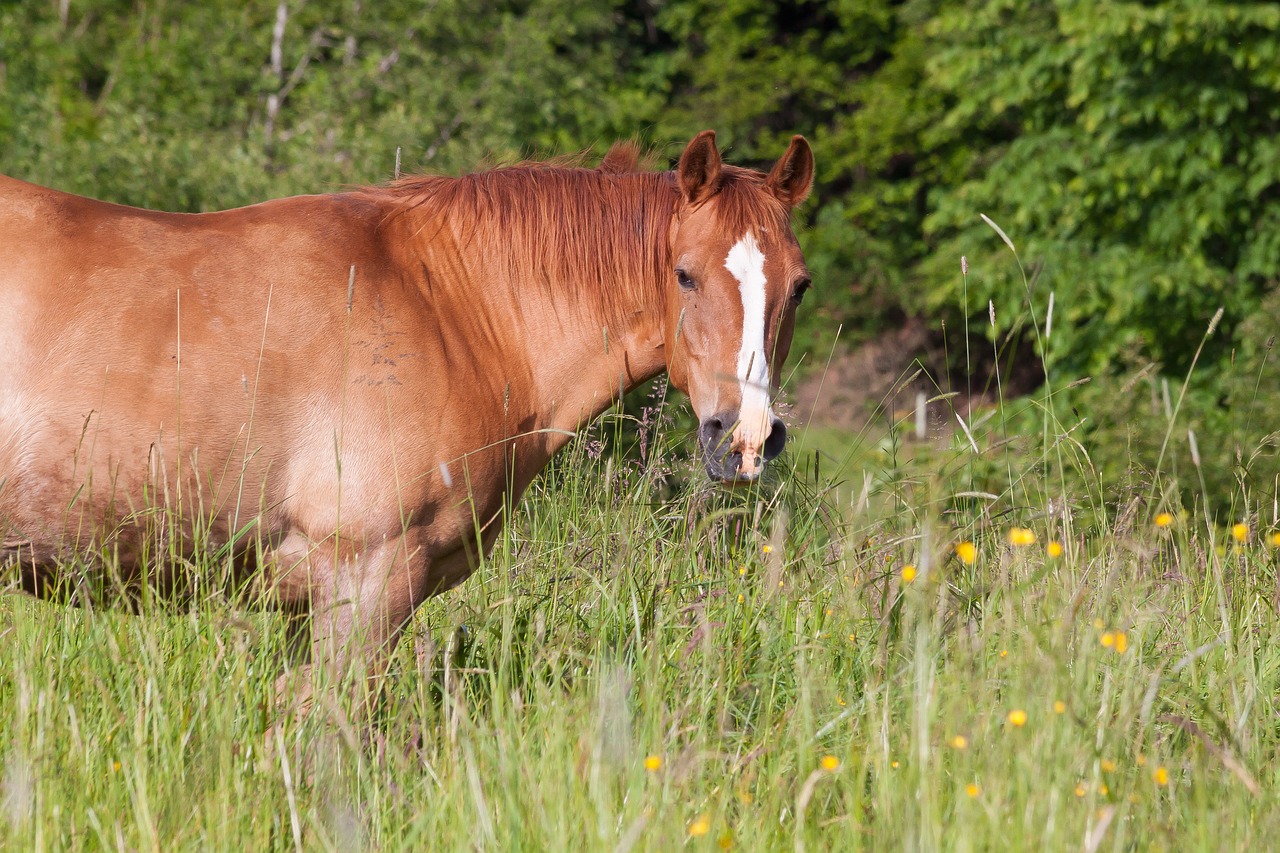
97	475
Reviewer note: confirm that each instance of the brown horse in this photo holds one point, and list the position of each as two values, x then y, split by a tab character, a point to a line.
349	387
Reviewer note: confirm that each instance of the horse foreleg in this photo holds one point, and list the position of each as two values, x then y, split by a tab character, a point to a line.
359	604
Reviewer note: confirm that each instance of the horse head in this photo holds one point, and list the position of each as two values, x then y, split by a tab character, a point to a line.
737	279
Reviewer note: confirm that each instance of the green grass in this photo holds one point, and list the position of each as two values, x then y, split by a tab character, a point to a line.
735	639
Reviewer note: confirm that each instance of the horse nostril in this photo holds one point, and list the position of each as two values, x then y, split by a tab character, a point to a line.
712	431
776	440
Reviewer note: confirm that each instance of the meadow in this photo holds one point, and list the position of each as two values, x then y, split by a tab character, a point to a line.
955	644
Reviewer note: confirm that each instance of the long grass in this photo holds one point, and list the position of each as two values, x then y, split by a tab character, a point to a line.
642	667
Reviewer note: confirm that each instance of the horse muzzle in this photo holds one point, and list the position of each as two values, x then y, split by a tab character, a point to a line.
733	458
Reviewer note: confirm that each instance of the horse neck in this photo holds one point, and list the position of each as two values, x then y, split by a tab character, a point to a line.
574	308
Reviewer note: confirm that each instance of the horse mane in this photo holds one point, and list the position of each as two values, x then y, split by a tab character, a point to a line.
628	156
602	233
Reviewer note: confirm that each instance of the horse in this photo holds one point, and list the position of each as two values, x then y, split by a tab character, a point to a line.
339	393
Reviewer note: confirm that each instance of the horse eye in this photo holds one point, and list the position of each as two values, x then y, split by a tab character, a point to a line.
797	293
686	283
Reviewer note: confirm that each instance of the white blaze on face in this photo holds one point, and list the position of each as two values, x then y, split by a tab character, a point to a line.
746	262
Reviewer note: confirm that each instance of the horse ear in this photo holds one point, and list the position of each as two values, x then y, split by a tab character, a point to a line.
792	176
699	169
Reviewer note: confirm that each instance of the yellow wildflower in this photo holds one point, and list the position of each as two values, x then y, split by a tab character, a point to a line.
1080	789
1161	776
1018	717
1059	707
1240	532
1004	653
1053	549
700	826
908	573
830	763
972	789
840	701
1108	639
725	841
1274	539
1020	537
1122	642
967	552
959	741
893	764
1164	519
767	549
652	763
1108	766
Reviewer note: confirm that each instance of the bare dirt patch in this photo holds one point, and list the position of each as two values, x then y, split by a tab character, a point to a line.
889	373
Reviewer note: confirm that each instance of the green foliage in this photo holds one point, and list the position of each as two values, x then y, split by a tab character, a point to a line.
1130	150
1222	448
183	106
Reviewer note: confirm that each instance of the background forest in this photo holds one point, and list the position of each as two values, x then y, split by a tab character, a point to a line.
1128	149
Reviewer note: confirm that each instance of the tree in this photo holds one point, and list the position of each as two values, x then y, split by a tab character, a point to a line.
1129	150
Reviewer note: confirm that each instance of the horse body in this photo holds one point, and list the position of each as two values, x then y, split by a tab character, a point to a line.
355	384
